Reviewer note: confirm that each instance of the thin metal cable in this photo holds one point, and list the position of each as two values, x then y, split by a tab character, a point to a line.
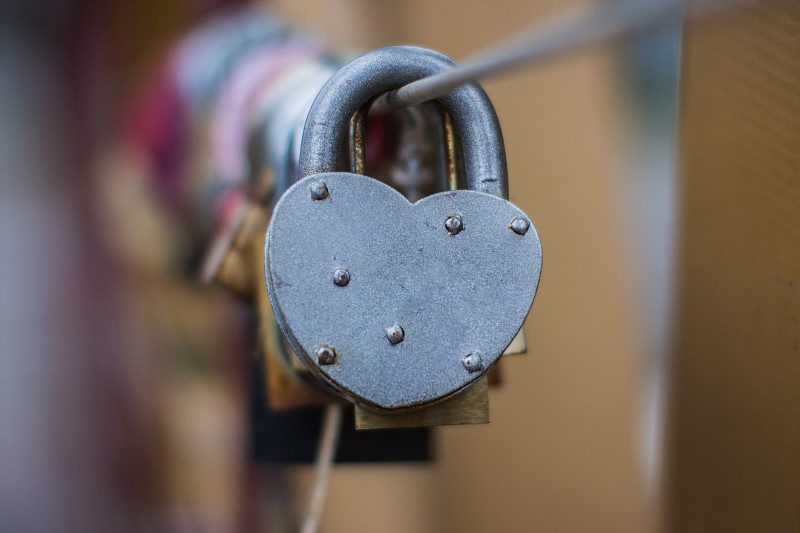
582	27
326	450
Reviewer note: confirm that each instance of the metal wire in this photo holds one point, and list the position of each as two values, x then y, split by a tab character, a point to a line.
579	28
328	441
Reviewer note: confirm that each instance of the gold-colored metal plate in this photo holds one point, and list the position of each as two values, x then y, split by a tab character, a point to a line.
285	388
468	407
519	345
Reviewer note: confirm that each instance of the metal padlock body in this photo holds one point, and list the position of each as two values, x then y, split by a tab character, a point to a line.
460	292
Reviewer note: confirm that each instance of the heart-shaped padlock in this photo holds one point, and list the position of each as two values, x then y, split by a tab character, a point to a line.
394	304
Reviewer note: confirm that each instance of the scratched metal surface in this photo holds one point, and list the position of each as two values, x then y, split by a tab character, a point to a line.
453	295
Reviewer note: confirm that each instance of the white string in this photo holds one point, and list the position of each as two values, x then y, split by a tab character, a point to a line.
326	450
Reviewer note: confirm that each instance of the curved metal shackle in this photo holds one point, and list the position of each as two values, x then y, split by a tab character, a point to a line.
388	68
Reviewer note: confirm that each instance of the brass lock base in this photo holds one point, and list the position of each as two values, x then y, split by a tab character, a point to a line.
470	406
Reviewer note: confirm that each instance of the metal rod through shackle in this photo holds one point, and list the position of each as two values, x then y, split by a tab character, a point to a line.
581	27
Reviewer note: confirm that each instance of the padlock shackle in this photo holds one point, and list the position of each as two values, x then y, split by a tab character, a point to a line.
385	69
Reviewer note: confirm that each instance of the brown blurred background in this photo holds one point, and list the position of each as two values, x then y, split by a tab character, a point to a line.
662	299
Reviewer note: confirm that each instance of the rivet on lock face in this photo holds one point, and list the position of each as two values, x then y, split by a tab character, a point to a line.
454	224
319	190
341	277
472	362
326	355
395	334
519	225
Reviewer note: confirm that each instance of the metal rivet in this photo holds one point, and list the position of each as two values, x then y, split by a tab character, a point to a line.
454	224
319	190
472	362
395	334
341	277
326	355
519	225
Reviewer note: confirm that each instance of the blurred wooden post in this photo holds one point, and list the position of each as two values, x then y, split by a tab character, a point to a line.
734	458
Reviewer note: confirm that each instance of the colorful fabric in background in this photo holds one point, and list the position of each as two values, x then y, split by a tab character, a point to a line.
223	120
232	80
